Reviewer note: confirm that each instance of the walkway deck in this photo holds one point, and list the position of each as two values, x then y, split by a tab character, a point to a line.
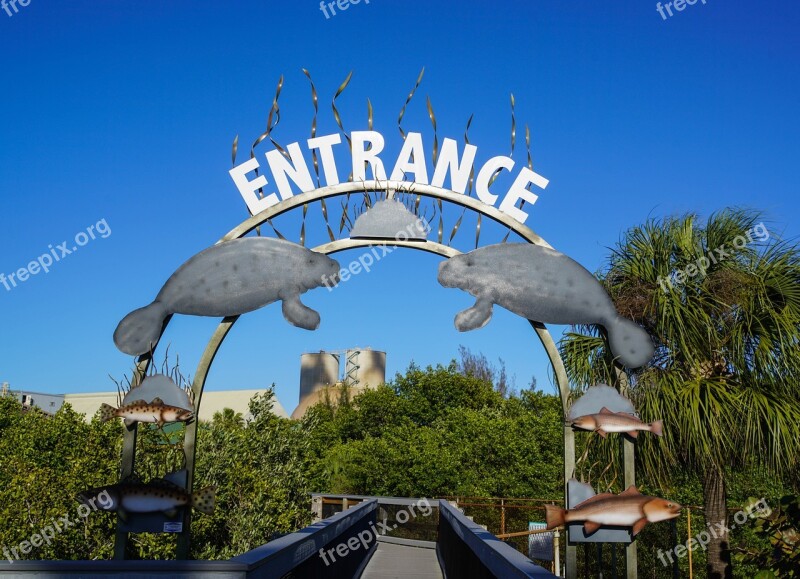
408	561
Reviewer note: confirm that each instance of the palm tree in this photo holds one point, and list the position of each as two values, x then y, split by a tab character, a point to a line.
721	302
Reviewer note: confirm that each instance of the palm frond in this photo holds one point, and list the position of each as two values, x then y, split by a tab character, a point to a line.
721	301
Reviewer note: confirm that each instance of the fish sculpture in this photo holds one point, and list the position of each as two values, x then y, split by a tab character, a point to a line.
157	496
542	285
607	421
143	411
630	508
229	279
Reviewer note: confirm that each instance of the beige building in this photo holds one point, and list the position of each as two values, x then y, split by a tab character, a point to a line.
88	403
213	401
322	375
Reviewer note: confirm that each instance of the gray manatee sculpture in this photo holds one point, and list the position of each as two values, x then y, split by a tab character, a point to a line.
543	285
232	278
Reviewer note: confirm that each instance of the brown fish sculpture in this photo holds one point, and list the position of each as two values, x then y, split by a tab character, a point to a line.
630	508
607	421
157	496
142	411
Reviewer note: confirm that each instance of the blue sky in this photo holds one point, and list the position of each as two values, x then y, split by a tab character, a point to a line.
125	111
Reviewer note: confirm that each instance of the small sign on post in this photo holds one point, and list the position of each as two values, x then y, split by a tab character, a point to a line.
540	545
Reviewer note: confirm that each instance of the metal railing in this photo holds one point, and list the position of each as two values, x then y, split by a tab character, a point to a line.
316	551
338	547
295	556
466	550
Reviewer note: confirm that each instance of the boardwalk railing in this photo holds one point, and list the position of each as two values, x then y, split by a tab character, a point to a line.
466	550
296	556
338	547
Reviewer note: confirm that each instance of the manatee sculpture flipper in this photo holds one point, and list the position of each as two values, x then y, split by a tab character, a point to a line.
298	314
475	317
230	279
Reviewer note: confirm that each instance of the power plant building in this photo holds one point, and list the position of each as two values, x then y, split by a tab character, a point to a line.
321	373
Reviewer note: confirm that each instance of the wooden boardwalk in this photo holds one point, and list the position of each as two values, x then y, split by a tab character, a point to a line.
411	559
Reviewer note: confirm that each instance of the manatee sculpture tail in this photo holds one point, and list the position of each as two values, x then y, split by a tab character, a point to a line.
140	330
630	344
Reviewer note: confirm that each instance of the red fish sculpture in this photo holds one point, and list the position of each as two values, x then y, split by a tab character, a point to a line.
630	508
607	421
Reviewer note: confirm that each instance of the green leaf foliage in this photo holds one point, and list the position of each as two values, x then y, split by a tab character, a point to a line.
779	552
438	432
721	302
44	462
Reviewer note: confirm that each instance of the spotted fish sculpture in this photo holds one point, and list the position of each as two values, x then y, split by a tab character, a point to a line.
157	496
143	411
229	279
543	285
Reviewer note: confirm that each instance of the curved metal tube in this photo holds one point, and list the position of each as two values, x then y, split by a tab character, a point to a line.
390	187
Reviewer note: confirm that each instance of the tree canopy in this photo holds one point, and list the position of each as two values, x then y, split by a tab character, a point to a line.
721	302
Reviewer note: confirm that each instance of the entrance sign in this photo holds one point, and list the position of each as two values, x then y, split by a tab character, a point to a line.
242	273
290	165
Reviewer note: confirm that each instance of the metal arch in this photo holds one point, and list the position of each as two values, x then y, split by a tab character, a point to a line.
214	344
390	187
347	243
